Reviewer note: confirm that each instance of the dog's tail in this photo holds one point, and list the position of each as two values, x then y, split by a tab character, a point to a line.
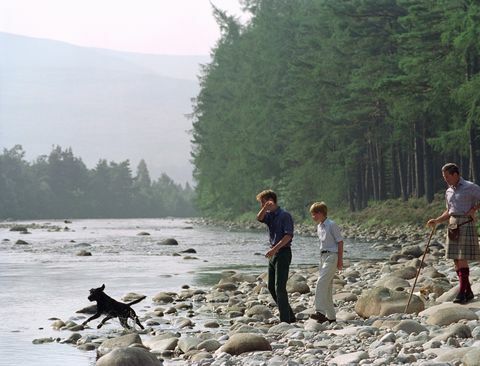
136	301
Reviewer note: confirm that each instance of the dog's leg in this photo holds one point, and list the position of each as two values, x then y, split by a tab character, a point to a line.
124	322
138	322
94	316
103	321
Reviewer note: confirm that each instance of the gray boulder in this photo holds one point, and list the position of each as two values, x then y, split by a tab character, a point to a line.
382	301
118	342
133	356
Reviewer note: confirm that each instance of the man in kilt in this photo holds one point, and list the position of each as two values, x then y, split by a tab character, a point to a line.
462	199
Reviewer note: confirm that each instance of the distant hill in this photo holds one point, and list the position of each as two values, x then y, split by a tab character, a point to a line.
102	103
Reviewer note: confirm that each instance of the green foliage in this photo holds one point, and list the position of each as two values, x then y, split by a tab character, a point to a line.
60	185
347	101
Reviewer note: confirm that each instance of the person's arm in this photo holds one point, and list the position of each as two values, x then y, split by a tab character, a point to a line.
340	256
268	206
476	207
443	217
274	250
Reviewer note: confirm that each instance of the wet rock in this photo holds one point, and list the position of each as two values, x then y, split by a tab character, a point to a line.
190	251
169	241
83	253
163	298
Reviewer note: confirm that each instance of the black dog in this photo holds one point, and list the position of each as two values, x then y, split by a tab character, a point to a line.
112	308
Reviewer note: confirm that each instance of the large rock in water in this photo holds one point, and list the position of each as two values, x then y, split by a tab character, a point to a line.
132	356
245	342
383	301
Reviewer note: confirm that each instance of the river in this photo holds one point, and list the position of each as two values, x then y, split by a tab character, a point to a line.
45	278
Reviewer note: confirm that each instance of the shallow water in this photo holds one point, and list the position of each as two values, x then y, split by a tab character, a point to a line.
46	279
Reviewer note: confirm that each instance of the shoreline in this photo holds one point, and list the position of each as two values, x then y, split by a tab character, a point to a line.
208	326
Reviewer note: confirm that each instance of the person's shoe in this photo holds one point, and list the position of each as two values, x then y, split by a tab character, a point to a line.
469	296
320	318
460	299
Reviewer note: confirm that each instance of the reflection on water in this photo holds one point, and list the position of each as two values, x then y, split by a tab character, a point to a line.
45	278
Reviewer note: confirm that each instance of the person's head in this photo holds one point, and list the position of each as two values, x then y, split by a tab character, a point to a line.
267	195
451	174
319	211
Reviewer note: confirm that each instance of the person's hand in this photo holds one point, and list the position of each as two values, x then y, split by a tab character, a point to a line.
432	223
270	253
269	205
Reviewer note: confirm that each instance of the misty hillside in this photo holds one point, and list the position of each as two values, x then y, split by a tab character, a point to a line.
102	103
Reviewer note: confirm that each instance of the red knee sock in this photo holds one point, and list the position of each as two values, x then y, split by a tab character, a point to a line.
463	274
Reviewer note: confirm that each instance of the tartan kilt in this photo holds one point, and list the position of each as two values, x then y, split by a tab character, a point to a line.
467	246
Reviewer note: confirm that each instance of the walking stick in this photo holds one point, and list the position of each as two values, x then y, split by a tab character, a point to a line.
420	268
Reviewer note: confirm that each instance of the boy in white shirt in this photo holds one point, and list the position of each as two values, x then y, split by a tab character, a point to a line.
331	259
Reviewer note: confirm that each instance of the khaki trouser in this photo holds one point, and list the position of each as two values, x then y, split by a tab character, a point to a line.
323	292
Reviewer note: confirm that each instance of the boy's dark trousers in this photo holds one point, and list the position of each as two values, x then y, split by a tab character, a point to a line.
278	268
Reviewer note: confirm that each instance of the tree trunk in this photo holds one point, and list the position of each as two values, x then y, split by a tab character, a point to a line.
418	160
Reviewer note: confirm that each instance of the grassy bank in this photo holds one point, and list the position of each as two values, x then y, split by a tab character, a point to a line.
389	213
393	212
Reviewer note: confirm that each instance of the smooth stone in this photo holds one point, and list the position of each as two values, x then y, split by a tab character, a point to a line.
118	342
297	286
382	301
83	253
211	324
132	356
209	345
281	328
392	282
43	340
245	342
160	343
169	241
472	358
187	343
451	315
162	298
199	356
260	310
410	326
349	358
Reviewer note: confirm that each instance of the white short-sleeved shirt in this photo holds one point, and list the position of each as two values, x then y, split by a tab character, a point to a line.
329	235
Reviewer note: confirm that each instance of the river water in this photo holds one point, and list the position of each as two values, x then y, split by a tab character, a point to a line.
45	278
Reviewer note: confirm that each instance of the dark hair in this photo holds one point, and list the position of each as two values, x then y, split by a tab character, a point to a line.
451	168
267	194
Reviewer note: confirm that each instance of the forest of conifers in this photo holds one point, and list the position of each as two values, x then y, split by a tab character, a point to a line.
61	186
346	101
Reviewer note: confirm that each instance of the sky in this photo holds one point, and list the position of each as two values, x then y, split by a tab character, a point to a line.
169	27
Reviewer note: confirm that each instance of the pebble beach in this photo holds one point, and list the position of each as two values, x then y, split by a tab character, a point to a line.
235	322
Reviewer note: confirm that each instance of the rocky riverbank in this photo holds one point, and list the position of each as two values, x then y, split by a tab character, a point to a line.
235	322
